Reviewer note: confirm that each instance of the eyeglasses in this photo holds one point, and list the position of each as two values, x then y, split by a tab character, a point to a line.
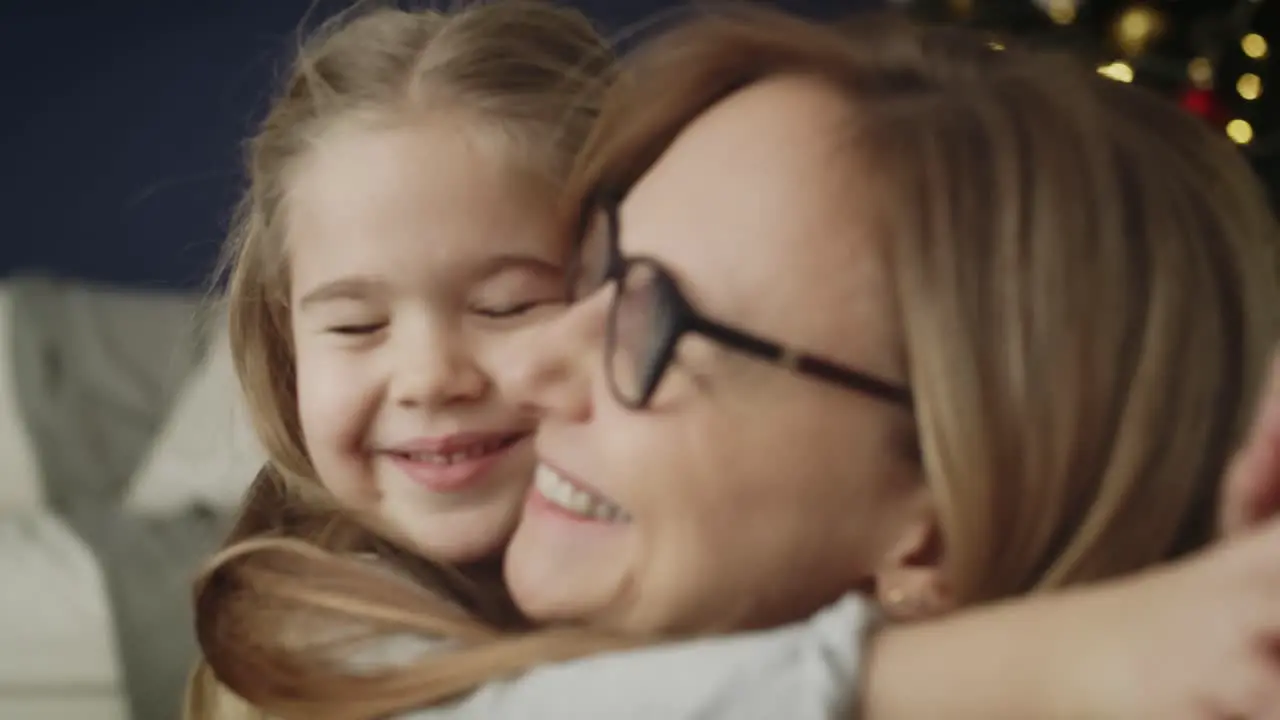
649	315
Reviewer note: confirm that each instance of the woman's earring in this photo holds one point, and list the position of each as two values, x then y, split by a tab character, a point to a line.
901	603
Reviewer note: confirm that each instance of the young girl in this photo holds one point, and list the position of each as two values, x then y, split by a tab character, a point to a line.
350	349
400	224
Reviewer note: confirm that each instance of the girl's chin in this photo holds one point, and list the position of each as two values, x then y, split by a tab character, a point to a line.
456	545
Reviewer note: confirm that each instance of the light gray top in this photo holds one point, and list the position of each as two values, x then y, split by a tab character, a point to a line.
804	671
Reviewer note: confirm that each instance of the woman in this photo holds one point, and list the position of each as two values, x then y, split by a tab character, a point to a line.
1029	307
1027	304
950	323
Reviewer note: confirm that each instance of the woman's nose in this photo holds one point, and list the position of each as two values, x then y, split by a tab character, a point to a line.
551	366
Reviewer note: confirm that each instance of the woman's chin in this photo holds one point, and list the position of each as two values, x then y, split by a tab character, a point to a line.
547	587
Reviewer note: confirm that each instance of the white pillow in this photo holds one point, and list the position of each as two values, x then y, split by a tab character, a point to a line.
206	453
21	485
55	618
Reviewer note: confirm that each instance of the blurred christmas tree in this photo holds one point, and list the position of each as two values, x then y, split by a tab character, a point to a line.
1214	57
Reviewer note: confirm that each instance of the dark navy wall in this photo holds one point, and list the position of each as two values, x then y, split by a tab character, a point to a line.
120	126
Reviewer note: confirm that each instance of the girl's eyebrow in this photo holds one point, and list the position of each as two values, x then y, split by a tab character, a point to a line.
346	288
496	264
363	287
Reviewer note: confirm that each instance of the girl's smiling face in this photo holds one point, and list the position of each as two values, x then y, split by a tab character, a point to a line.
415	251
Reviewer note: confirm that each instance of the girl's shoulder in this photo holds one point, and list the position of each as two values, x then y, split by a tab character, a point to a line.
208	699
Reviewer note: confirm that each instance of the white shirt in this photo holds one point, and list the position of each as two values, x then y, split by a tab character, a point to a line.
804	671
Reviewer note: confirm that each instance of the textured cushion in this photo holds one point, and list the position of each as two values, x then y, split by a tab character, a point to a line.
63	704
56	628
97	370
206	453
20	484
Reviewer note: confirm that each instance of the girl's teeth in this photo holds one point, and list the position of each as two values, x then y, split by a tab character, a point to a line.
565	495
457	456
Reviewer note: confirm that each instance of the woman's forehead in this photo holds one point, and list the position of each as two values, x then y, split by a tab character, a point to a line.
760	209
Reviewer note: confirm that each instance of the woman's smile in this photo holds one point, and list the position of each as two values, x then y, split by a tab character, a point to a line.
554	492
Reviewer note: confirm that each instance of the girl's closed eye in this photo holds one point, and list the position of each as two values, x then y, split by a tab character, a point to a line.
356	329
517	294
514	309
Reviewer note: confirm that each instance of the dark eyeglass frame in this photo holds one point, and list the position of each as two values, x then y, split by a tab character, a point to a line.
685	319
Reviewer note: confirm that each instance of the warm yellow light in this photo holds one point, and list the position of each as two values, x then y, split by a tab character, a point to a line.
1240	131
1249	86
1062	12
1137	27
1200	70
1117	71
1254	45
995	45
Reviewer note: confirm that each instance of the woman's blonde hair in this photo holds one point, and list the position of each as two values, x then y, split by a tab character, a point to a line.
1086	276
1086	279
528	72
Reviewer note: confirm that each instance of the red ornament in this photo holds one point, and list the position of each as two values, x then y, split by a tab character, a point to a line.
1204	103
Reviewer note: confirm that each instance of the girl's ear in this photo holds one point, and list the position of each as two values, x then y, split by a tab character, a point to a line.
1251	488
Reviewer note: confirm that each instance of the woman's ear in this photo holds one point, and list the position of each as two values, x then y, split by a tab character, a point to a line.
911	583
1251	489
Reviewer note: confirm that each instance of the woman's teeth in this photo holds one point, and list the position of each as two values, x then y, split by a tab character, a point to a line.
471	452
569	497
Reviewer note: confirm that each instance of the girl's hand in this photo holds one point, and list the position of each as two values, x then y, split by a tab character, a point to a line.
1195	641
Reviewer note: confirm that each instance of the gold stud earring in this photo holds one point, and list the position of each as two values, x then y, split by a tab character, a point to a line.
898	600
